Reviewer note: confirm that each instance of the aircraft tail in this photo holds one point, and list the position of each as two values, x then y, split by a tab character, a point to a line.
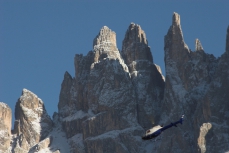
181	119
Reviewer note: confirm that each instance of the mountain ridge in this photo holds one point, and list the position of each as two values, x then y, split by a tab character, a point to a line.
115	94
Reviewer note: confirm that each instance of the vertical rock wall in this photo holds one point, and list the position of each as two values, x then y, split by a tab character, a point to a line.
114	95
5	126
146	76
32	123
195	86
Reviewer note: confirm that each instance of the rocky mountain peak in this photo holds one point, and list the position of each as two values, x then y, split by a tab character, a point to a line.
107	106
135	45
65	105
5	126
32	123
104	46
176	19
195	86
175	47
227	40
105	40
198	45
136	34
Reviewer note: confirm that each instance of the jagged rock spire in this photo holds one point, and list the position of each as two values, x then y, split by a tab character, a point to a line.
105	40
31	115
227	40
65	100
175	31
176	19
135	45
175	47
104	45
198	45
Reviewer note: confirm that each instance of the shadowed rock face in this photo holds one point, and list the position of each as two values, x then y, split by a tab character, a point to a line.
146	76
135	45
66	105
5	126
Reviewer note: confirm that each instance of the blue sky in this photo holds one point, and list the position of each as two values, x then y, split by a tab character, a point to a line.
39	39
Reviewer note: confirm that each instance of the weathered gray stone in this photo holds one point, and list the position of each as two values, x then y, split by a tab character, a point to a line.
201	139
113	96
42	145
198	45
135	46
5	126
195	86
33	123
105	40
66	105
104	94
147	78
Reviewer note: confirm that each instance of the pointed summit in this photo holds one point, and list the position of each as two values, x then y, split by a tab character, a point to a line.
105	40
136	34
31	115
175	47
227	40
135	45
198	45
104	45
176	19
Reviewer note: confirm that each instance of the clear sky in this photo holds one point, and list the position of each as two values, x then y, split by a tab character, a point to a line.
39	39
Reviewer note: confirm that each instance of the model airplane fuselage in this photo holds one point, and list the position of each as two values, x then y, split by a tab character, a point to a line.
156	130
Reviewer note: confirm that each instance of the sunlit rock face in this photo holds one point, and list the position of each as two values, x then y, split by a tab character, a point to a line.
195	86
104	96
114	96
201	139
32	123
109	98
5	126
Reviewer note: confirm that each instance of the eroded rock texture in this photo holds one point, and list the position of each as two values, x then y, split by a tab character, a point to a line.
5	126
195	86
32	123
115	95
203	132
112	96
147	79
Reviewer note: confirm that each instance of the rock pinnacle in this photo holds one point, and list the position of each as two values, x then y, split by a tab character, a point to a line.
135	45
176	19
105	40
198	45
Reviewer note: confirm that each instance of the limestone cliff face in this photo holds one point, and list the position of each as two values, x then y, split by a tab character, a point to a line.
5	127
32	123
195	86
146	76
66	104
135	46
115	94
104	96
